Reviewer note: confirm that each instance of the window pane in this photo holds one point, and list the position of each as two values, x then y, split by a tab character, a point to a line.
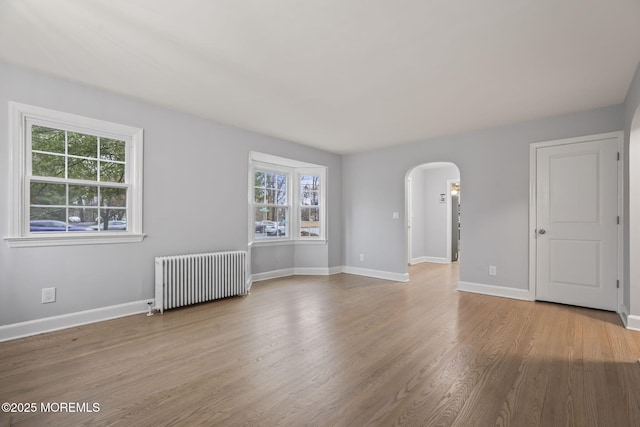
281	183
113	220
113	197
259	195
260	179
83	216
83	169
270	180
43	193
282	214
270	188
309	222
260	230
53	220
271	197
114	214
44	219
309	190
47	165
43	225
83	145
111	172
47	139
112	149
48	213
271	222
83	195
266	214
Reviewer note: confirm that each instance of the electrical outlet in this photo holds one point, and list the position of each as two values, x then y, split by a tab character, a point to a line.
48	295
361	257
492	270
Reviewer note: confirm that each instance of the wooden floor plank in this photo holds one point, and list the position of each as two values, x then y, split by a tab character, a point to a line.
341	350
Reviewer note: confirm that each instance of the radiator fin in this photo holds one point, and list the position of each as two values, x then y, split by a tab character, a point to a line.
190	279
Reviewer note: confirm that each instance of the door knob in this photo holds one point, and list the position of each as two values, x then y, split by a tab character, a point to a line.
542	231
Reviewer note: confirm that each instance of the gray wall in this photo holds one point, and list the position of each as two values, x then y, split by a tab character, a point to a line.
494	170
195	200
429	226
197	169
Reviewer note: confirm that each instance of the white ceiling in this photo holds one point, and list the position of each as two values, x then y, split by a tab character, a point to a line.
340	75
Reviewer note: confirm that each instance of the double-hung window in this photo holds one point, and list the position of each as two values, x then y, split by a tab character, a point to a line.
287	200
75	180
271	203
310	206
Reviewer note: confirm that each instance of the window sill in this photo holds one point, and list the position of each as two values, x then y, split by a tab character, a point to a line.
58	240
261	243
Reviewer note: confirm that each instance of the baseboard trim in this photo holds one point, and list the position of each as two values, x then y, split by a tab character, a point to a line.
623	312
496	291
274	274
299	271
64	321
336	270
312	271
630	321
378	274
436	260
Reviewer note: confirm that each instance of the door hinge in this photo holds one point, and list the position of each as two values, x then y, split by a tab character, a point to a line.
618	220
617	284
618	156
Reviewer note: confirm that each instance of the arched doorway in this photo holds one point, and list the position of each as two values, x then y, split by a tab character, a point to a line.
633	296
432	194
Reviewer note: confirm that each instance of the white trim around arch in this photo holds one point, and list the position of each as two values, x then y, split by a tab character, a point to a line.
632	321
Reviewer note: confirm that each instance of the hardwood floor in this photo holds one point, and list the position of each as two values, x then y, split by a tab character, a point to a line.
341	350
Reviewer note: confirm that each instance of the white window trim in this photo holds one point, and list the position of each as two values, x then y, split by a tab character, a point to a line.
295	169
19	235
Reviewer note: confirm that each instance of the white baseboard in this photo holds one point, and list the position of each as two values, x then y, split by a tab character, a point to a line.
630	321
387	275
497	291
436	260
623	312
274	274
299	271
64	321
336	270
312	271
633	322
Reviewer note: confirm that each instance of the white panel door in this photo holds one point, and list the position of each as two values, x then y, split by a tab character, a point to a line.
577	230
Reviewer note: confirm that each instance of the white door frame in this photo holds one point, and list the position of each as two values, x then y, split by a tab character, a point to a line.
450	208
533	167
409	198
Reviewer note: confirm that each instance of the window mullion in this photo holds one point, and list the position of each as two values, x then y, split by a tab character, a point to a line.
100	219
54	180
66	155
99	177
67	203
